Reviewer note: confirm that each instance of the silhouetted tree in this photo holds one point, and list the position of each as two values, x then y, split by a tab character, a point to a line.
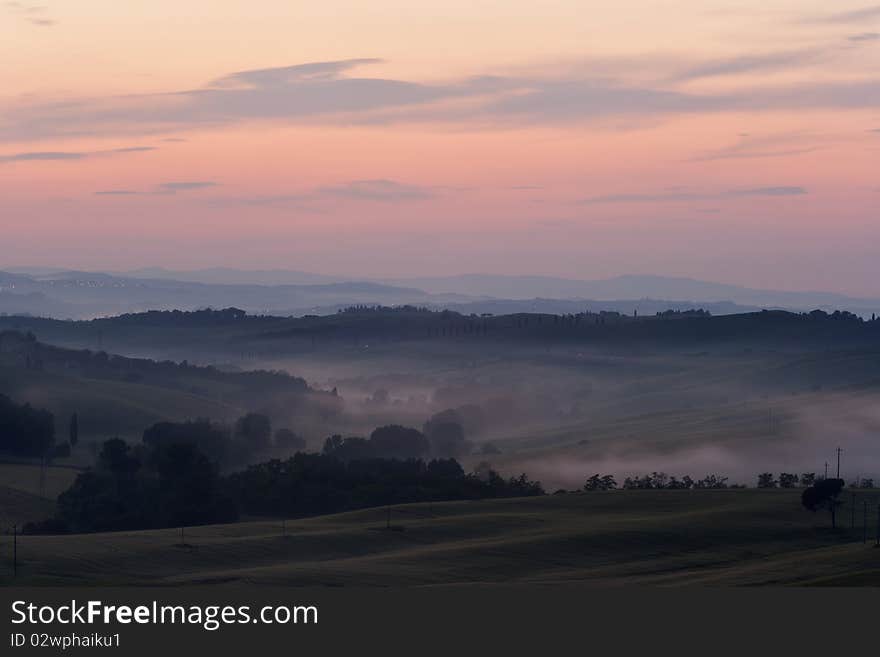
116	458
823	495
711	481
73	432
445	433
211	439
395	441
253	431
24	430
766	480
599	482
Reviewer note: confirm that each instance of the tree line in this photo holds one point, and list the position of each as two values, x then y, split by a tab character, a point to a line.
174	478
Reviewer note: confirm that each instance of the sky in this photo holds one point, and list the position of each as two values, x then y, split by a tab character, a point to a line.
729	141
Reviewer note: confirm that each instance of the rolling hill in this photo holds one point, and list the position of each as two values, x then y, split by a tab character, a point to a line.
672	538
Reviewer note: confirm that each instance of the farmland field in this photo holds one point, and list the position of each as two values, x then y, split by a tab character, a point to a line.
670	538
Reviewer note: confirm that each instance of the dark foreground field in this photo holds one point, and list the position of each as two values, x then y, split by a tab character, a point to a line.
670	538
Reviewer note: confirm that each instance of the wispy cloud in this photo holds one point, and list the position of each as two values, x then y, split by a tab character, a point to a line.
680	197
851	16
34	156
864	36
166	188
374	190
33	14
184	186
765	62
42	156
128	149
748	147
769	191
274	77
330	93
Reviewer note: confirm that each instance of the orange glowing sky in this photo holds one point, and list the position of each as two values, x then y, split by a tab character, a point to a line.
736	142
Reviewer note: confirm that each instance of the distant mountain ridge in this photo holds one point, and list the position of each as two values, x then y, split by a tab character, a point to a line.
230	276
628	287
81	295
78	294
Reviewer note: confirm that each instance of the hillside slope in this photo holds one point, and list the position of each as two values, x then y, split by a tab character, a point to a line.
724	537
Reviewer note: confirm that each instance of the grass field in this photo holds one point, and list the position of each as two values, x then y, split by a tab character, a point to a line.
724	537
18	507
21	497
26	478
106	408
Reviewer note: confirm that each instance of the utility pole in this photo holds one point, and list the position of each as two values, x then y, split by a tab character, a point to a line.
852	523
838	462
877	544
43	475
15	550
826	469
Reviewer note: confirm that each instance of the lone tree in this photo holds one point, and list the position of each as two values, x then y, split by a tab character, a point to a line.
823	495
73	437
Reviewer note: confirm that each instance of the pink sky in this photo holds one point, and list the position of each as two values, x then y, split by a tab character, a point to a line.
736	142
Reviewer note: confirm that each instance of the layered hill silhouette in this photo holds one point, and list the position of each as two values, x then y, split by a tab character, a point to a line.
83	295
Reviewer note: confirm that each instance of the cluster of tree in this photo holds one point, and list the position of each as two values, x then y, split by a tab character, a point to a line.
442	437
166	485
660	480
225	446
24	430
600	482
169	483
671	313
663	481
178	318
313	484
805	480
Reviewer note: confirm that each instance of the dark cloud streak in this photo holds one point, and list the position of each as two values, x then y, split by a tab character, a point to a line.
185	186
374	190
683	197
47	156
42	156
852	16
